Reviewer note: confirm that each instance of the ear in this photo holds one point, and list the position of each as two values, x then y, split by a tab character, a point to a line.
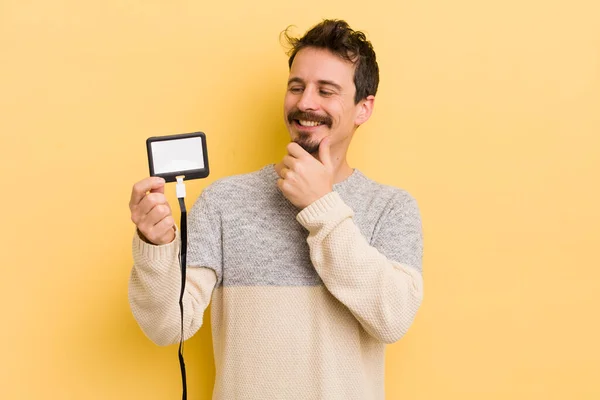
364	110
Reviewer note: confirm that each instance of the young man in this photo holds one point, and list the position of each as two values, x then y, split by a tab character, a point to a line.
311	267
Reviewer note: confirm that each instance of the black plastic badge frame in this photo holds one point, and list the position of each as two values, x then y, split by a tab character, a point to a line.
189	174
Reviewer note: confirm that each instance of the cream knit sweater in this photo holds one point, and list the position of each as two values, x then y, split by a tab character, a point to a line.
302	302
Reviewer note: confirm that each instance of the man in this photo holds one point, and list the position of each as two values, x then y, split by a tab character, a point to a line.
311	267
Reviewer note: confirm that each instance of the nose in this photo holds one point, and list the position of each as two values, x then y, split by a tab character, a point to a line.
309	100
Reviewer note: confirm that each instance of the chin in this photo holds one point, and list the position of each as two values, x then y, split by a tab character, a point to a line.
309	145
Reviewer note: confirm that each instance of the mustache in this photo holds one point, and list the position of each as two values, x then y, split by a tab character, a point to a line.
309	116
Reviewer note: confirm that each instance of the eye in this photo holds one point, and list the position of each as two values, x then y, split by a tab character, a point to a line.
325	93
296	89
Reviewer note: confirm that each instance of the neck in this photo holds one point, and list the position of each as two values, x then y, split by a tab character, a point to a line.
341	169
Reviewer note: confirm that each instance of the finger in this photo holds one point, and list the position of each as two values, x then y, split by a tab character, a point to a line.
145	222
296	151
148	223
157	214
325	152
290	161
160	189
162	232
149	201
284	172
280	183
142	187
169	235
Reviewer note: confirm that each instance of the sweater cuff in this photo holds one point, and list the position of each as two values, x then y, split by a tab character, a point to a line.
156	252
328	208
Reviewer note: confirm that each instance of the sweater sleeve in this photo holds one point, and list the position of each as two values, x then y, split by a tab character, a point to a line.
381	284
155	282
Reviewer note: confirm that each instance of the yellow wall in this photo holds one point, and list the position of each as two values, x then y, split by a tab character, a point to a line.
488	112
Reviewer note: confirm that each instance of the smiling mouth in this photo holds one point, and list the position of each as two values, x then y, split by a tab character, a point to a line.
306	123
308	119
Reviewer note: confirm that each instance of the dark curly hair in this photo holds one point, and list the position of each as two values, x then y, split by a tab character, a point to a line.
353	46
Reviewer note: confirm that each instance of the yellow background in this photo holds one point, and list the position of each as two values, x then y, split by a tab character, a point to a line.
488	113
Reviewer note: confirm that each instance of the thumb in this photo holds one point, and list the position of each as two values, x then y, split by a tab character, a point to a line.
325	152
158	185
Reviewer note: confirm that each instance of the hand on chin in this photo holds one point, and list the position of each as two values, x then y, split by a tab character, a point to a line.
304	177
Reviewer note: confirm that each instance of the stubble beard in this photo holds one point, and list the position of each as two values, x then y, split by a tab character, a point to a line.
309	145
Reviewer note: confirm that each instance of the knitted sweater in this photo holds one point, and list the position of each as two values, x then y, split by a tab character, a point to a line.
303	301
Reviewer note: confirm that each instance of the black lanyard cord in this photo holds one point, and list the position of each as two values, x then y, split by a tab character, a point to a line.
182	263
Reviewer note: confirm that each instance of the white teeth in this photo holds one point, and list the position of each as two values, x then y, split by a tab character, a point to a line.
309	123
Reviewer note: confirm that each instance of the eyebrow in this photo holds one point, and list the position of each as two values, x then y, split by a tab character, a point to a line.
320	82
